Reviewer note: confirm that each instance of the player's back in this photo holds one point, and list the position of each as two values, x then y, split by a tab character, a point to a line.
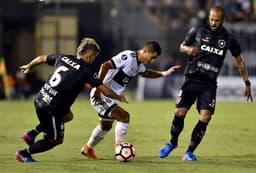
65	83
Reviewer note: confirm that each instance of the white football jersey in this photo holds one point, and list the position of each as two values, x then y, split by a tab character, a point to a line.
126	67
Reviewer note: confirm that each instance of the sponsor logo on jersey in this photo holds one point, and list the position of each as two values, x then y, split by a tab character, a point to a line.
206	39
70	62
212	49
48	93
207	66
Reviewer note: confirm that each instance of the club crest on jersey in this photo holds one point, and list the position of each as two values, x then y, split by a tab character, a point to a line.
212	49
221	43
124	57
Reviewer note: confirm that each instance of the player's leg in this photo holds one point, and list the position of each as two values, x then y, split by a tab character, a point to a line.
68	117
97	135
38	147
106	121
206	107
108	111
175	130
197	135
184	101
121	128
53	128
104	107
29	136
104	126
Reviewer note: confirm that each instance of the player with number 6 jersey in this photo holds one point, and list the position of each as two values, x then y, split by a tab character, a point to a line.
53	101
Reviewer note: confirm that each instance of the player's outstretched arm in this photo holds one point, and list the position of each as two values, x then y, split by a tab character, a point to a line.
155	74
171	70
110	93
38	60
243	72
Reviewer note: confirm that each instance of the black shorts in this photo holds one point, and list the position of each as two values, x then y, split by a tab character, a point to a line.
197	89
52	123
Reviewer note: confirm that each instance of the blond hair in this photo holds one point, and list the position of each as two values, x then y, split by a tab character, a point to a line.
87	44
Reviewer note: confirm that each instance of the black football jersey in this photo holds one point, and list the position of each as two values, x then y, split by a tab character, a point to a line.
65	82
212	48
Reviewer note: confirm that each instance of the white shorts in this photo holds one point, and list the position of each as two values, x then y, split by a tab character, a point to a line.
104	107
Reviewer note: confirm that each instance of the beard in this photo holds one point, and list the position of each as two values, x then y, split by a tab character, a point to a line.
215	28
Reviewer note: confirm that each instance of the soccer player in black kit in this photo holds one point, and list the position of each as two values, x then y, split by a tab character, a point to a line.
53	101
206	47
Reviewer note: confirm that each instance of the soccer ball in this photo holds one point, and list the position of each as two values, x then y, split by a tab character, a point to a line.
125	152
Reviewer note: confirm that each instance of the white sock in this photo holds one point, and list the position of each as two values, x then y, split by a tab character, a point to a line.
120	131
97	135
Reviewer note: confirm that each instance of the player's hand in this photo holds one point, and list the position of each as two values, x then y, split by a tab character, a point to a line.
172	69
247	93
25	68
96	97
122	99
190	50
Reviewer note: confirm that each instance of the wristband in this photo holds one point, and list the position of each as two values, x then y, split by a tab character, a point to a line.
163	73
247	83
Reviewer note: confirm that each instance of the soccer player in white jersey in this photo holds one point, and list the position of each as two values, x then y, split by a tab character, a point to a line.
116	73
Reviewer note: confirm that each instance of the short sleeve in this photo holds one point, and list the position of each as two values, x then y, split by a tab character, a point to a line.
120	60
190	37
94	80
51	59
234	48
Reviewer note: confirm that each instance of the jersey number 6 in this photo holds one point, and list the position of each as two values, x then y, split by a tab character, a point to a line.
56	77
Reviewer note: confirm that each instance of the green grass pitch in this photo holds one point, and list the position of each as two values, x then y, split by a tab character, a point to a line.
229	145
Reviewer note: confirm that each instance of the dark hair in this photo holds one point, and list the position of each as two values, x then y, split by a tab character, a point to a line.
153	46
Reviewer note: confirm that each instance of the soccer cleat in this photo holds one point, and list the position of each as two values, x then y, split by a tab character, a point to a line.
22	158
88	152
189	157
166	150
28	138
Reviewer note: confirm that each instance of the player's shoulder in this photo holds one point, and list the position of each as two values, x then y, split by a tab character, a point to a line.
60	56
226	31
127	54
195	29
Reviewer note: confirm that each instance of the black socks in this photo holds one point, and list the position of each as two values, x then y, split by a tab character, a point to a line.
41	146
34	132
197	135
176	128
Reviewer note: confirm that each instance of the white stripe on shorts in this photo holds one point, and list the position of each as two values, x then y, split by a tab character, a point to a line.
54	128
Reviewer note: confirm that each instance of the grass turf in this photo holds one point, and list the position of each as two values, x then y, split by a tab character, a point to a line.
228	146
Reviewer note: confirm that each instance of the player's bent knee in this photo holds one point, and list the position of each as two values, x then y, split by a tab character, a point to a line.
125	117
181	112
57	141
205	119
68	117
106	126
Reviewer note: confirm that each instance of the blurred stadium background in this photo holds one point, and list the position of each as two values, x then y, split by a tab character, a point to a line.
33	27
